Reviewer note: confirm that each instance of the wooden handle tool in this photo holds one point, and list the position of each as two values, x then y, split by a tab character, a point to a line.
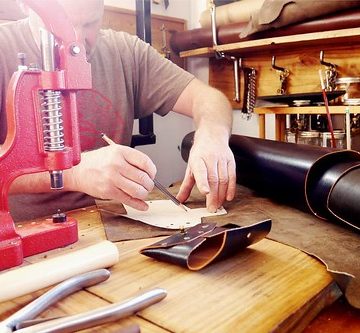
27	279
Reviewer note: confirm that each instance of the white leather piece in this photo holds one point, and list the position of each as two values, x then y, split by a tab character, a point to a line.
165	214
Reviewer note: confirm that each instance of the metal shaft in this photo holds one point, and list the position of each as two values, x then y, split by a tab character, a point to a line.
51	107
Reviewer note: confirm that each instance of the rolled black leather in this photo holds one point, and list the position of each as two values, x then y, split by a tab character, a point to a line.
205	243
344	199
229	33
310	178
323	176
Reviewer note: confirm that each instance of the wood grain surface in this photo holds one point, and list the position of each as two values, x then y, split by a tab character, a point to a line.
269	287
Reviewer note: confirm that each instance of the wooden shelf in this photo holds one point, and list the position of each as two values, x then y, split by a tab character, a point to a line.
201	52
335	109
325	38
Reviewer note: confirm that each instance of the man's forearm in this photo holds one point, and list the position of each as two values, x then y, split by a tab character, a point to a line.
209	108
212	113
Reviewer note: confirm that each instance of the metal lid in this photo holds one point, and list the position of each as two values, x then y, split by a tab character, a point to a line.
342	80
301	102
337	135
309	134
351	101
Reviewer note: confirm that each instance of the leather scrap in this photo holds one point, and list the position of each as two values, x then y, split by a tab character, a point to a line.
281	13
120	228
205	243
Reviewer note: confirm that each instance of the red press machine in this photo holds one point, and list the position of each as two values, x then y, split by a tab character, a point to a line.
43	133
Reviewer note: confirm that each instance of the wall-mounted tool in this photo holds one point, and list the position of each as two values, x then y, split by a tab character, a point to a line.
249	97
164	49
330	73
42	131
249	72
284	73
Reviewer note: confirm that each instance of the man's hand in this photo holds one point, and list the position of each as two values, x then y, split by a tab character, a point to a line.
211	166
115	172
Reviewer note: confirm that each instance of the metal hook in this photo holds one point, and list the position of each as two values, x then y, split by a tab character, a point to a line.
278	68
325	63
330	73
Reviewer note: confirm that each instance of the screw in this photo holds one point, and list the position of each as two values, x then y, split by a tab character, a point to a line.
75	49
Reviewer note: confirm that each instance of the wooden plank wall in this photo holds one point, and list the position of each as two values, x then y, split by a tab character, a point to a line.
125	20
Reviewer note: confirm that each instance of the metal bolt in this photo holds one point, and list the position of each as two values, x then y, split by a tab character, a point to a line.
59	217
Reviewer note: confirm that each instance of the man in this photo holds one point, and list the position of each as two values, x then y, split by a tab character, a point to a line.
137	81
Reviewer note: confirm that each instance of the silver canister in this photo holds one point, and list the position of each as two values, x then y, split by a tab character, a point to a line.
340	139
309	138
352	87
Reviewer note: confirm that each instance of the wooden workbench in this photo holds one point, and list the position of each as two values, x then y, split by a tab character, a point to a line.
268	287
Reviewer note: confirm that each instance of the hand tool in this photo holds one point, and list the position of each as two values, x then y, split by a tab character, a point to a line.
42	131
160	187
164	190
23	318
54	270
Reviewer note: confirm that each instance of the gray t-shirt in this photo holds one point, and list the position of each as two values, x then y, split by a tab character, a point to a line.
130	80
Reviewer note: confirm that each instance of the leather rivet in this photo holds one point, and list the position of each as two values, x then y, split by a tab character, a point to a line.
248	235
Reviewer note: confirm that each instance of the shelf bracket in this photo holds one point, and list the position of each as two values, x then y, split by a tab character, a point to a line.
222	55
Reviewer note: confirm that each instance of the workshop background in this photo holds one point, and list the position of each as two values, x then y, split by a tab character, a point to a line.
170	130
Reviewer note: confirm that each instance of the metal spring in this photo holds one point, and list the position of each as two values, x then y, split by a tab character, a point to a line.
52	120
250	98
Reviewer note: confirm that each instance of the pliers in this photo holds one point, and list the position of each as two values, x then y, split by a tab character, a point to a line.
22	321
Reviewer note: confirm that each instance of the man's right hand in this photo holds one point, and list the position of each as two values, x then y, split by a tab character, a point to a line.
114	172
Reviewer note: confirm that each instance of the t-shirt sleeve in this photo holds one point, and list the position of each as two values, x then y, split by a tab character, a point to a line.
159	82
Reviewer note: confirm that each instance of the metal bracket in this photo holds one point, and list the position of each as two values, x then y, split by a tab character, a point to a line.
222	55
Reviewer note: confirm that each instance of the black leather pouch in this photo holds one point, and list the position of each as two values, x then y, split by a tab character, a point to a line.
198	246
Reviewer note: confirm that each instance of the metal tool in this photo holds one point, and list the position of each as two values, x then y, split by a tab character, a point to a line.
161	187
284	73
42	131
164	49
23	318
331	73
